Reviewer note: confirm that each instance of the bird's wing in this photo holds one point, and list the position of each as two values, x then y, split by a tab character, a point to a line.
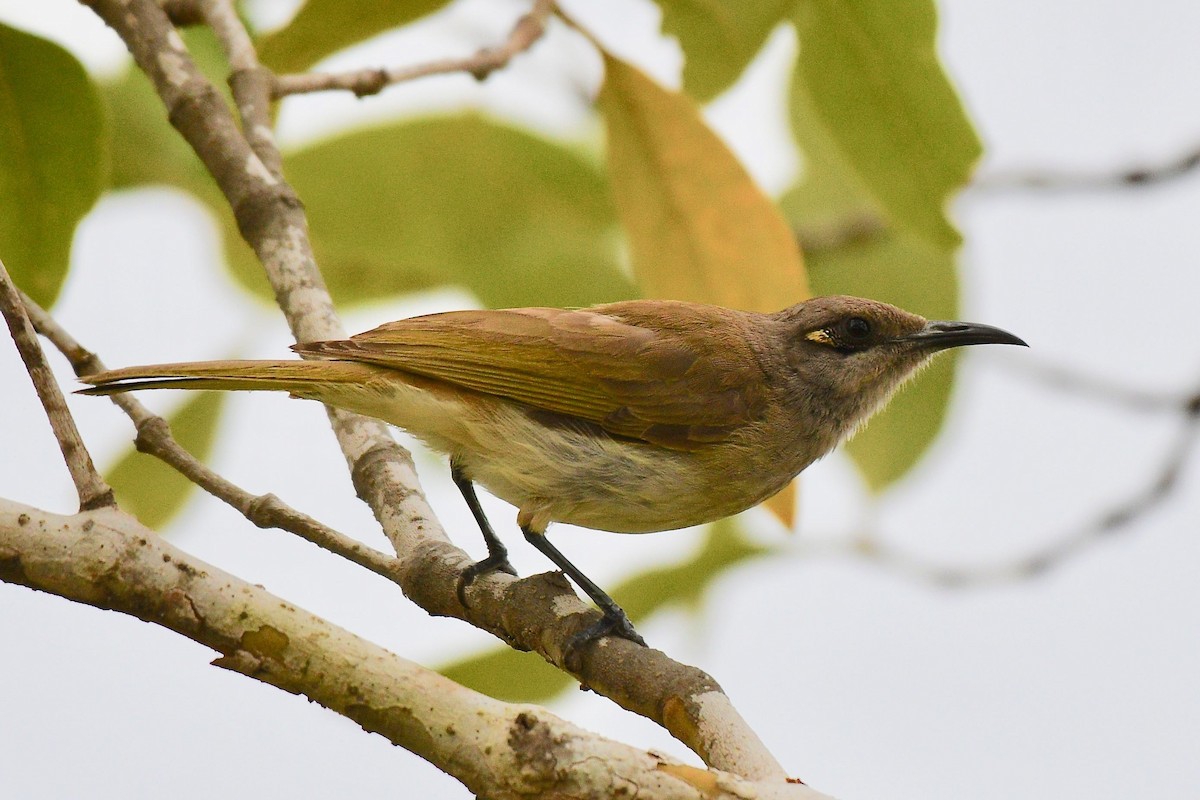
614	366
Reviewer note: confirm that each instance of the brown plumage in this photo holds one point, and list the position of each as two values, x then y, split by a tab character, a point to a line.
658	379
635	416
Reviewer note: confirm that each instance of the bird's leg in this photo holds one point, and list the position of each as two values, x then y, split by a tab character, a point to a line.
615	621
497	557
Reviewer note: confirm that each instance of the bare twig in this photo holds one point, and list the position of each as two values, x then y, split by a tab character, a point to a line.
528	29
1082	181
154	438
835	234
869	544
1133	398
89	485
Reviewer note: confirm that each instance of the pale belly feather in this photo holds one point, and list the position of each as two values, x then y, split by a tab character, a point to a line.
564	474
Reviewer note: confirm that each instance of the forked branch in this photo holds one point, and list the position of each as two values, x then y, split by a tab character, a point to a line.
93	491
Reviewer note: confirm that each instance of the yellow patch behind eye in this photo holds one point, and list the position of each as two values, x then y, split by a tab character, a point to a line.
820	336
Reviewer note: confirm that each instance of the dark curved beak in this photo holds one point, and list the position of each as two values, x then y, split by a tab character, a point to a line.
940	335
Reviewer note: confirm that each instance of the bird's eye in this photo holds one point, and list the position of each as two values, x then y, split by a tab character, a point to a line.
857	328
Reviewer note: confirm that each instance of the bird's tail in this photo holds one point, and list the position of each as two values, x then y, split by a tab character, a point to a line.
296	377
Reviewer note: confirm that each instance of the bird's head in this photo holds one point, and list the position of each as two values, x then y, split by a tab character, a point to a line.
850	354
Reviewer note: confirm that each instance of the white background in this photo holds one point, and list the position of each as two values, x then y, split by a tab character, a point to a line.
1079	684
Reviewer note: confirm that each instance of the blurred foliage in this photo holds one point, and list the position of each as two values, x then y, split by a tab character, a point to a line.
458	200
524	677
872	73
720	38
148	488
53	158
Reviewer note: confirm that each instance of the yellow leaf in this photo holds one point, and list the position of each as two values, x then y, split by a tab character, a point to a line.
699	227
782	505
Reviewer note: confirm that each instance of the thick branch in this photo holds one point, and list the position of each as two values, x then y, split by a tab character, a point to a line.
92	490
539	613
524	34
105	558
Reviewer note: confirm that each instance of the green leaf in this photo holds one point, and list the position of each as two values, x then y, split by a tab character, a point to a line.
325	26
460	200
872	71
53	158
148	488
509	675
719	38
699	227
523	677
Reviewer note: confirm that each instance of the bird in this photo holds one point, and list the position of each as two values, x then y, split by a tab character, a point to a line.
634	417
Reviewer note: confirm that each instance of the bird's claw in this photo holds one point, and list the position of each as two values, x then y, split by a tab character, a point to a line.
497	562
611	624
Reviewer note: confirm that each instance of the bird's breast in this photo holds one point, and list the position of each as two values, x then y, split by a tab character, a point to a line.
581	476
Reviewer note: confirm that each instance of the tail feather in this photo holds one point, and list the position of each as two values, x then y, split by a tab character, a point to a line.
284	376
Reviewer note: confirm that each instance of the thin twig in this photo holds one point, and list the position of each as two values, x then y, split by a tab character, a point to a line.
89	485
1082	181
527	30
154	438
869	545
835	234
1134	398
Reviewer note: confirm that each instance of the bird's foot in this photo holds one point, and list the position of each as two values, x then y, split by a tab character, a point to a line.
613	623
496	562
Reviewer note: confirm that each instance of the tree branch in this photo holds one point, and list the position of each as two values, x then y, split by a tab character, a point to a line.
1123	177
154	438
106	559
89	485
852	229
539	613
528	29
869	545
249	81
1134	398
